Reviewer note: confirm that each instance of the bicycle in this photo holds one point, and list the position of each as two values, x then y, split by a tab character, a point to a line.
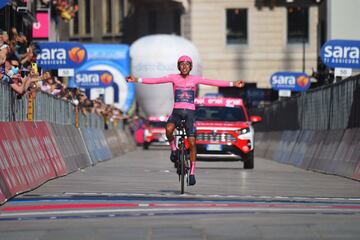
182	164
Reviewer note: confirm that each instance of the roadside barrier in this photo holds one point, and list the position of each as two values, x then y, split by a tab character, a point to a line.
329	151
72	146
46	137
301	148
261	143
127	142
332	106
29	156
356	174
11	174
286	146
2	197
32	153
317	138
124	140
327	146
114	142
347	155
130	140
354	155
96	144
4	193
273	144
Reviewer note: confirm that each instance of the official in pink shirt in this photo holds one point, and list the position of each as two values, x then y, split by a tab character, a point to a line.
184	86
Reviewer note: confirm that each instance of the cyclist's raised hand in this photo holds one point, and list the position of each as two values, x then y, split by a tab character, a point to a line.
131	79
239	83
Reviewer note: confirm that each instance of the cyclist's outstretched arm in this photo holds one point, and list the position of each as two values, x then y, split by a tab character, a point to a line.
165	79
220	83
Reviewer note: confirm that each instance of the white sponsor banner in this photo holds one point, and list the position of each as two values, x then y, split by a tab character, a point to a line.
343	72
284	93
66	72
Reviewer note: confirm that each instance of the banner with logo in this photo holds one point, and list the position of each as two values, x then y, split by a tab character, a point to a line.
3	3
220	101
341	54
55	55
110	52
40	28
114	58
294	81
93	79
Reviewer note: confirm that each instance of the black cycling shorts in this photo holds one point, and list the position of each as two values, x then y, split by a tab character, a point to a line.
184	114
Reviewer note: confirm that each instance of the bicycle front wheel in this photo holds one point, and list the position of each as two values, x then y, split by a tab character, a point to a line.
182	168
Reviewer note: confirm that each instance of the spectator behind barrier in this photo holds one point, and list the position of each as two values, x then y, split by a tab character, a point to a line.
18	69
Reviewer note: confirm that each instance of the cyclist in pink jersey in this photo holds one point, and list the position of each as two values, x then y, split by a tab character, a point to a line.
184	86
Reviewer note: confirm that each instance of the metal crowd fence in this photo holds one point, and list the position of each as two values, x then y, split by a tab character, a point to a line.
335	106
48	107
91	120
11	107
44	107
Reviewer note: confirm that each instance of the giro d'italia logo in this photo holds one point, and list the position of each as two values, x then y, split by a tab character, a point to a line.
77	55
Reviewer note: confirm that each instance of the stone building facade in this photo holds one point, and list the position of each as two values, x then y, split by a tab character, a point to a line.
266	48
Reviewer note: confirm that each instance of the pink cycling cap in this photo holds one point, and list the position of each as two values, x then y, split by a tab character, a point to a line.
184	59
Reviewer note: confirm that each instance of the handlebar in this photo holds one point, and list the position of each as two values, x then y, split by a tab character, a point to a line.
181	129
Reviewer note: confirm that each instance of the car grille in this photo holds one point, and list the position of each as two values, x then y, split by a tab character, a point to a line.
157	135
215	137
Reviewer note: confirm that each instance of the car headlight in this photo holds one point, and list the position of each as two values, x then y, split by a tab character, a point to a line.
243	131
147	133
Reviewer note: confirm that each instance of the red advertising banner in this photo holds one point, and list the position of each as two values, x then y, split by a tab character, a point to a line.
2	197
39	160
41	27
47	139
12	170
29	156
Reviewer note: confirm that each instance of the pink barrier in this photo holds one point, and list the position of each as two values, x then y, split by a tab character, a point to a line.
13	173
2	197
46	137
29	156
36	158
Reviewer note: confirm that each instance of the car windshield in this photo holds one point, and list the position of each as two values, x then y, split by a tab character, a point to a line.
157	124
229	114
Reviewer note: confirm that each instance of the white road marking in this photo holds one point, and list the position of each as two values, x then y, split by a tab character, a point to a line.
177	210
202	196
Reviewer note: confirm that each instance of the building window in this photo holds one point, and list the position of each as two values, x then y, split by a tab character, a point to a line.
298	25
236	26
87	16
76	20
108	16
121	14
152	22
177	21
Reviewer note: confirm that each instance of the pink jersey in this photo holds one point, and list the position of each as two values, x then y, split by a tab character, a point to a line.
185	88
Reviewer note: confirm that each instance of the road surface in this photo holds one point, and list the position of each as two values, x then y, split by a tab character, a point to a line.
136	196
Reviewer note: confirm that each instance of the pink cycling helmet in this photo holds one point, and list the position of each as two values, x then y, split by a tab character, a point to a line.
184	59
